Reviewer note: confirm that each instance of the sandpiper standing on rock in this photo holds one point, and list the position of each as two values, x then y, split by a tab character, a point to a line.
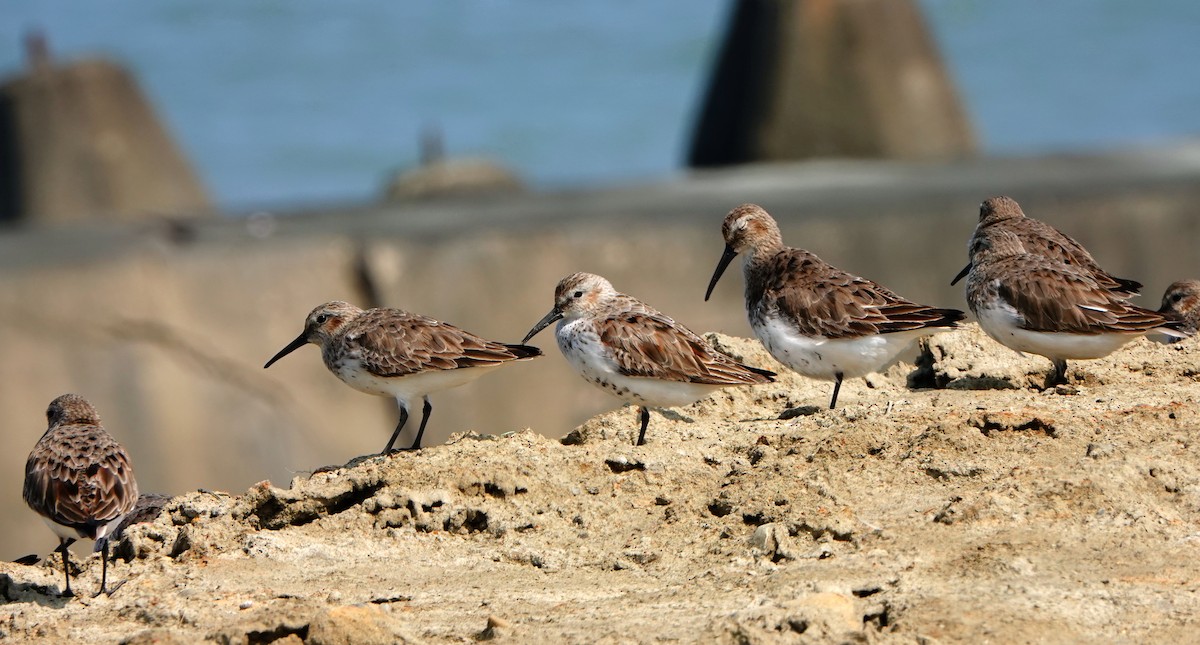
813	317
1182	299
1039	238
629	349
79	479
390	352
1032	303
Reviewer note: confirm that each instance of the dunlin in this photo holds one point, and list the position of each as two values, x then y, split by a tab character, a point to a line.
815	318
629	349
1182	300
1033	303
79	479
390	352
1040	238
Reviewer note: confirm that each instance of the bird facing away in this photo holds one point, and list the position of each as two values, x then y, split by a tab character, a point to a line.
632	351
818	320
390	352
1039	238
79	479
1036	304
1182	300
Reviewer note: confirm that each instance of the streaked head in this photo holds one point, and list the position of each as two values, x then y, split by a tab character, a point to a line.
995	244
321	325
71	409
745	227
1182	298
749	226
576	295
995	209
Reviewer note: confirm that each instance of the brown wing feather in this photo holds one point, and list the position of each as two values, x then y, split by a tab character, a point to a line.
1042	238
1055	297
79	476
391	342
650	345
824	301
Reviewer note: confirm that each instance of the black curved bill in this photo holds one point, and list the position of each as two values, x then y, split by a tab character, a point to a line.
726	258
961	274
554	315
300	341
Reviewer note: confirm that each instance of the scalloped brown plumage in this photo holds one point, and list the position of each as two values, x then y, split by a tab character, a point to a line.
634	352
78	478
391	352
1040	238
1033	303
818	320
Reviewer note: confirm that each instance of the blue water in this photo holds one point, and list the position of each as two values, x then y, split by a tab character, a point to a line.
287	102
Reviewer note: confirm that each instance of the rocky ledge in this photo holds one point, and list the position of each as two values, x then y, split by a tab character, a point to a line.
949	502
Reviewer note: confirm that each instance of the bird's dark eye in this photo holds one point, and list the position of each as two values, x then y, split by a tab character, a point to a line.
578	294
322	318
1177	297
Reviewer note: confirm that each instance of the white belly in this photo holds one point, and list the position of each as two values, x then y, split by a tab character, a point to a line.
411	387
409	391
68	533
584	351
1001	323
824	358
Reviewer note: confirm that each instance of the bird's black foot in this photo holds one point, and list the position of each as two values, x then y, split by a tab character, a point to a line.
1057	376
111	590
359	460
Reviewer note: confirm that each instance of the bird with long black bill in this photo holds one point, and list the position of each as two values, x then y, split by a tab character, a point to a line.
391	352
632	351
818	320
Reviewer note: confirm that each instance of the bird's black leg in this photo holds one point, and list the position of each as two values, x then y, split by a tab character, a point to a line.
63	548
645	417
399	426
1059	377
425	410
837	386
103	568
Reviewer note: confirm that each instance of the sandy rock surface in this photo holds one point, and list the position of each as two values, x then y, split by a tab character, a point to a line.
974	508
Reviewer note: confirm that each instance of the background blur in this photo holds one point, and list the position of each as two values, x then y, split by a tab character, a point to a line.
295	116
293	103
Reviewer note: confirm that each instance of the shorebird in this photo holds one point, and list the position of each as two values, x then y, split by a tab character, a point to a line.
79	479
629	349
390	352
1033	303
1182	300
1040	238
818	320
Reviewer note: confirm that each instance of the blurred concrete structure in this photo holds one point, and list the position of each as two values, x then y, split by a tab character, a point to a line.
448	177
80	141
440	176
797	79
166	330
